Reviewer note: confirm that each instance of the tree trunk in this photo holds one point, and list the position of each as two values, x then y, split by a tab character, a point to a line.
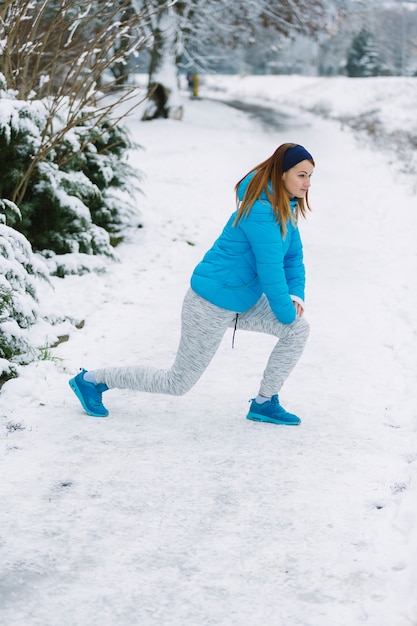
164	95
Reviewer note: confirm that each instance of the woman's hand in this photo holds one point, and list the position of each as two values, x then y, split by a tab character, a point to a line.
298	309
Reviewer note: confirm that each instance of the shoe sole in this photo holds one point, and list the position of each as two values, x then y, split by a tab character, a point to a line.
255	417
72	383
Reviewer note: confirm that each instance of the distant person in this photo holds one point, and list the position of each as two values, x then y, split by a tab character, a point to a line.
252	278
193	83
190	81
158	103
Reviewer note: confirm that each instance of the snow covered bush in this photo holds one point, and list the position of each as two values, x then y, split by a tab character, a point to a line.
63	155
18	301
73	185
99	153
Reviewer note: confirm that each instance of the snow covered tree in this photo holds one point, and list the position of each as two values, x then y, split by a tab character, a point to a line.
62	148
194	32
396	33
363	56
163	83
18	301
67	47
375	38
73	185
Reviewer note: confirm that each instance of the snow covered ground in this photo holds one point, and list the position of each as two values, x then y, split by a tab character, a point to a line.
179	511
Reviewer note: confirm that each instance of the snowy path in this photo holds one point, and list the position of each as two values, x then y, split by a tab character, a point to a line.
178	511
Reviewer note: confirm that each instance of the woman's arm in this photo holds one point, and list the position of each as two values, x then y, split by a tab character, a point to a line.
264	236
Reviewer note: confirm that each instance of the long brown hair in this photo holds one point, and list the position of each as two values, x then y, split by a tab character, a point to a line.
270	172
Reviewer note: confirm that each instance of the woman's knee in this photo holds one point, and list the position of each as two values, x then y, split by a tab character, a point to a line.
180	386
303	324
301	327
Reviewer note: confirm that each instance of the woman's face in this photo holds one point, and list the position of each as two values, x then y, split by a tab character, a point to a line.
297	180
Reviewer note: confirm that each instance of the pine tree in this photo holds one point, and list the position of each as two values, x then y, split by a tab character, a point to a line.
363	56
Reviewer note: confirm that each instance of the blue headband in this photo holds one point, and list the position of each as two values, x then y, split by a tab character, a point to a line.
293	156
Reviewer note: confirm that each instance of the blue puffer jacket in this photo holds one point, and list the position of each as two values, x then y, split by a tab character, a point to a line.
253	258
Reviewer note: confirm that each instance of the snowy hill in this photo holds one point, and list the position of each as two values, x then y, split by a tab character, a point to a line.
382	108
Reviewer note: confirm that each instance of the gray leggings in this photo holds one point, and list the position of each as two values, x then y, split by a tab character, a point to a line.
203	326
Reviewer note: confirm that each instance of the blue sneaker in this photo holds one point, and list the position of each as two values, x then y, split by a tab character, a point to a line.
89	395
271	411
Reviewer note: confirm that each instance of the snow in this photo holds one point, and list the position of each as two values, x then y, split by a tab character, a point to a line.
394	97
179	511
384	106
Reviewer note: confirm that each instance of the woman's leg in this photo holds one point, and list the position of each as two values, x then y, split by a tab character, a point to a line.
202	328
287	351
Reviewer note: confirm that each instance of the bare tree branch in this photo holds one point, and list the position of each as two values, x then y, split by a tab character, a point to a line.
61	52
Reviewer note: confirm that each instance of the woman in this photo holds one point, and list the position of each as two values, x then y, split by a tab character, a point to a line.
252	278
